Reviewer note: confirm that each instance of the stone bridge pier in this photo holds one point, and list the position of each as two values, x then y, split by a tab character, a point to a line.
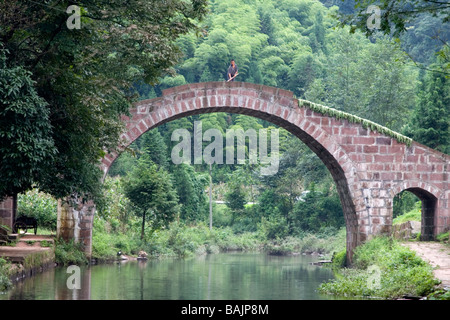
75	222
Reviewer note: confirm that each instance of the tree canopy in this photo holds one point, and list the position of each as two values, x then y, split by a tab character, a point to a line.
83	78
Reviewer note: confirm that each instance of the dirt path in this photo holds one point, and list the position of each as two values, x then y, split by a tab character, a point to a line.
438	255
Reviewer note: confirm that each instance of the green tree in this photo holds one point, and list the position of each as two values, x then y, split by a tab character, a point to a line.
395	14
152	144
26	143
235	198
86	76
305	69
430	123
398	17
123	163
366	79
190	188
317	210
151	194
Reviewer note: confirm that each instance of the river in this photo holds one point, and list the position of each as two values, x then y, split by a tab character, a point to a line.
225	276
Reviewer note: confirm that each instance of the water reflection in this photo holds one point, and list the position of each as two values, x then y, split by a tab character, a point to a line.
240	276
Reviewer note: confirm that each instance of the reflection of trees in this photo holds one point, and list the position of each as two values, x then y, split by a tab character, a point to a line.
212	277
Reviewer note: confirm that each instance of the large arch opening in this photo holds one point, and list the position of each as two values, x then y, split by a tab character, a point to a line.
329	160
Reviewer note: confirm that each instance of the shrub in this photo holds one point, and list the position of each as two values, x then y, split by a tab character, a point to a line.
39	205
413	215
399	272
67	253
340	259
5	282
443	237
273	227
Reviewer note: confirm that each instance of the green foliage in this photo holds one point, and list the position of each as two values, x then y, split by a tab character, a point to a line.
318	210
151	194
152	144
325	242
340	259
401	272
39	205
397	19
413	215
38	259
273	227
66	119
440	294
5	282
67	253
235	199
430	123
106	241
190	188
26	144
443	237
115	205
181	240
404	202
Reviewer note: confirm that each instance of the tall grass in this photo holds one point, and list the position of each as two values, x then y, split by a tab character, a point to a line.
413	215
384	269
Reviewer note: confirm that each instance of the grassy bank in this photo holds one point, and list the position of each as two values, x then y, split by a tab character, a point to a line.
181	240
385	269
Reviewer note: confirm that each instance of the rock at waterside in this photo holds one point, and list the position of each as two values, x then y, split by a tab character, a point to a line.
142	255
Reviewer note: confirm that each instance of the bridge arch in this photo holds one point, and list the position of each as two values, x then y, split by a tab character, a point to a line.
429	195
275	105
369	163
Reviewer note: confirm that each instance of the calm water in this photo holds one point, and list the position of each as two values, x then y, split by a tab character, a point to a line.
229	276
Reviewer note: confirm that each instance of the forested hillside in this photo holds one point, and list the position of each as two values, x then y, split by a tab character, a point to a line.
295	45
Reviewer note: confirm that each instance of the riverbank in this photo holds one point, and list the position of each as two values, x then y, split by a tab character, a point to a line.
402	273
24	257
385	268
180	241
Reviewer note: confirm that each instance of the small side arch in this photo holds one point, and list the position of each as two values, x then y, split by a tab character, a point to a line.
429	196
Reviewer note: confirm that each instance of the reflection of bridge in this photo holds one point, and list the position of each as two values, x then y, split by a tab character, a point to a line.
370	164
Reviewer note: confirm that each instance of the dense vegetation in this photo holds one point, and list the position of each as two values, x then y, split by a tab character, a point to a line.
383	268
62	90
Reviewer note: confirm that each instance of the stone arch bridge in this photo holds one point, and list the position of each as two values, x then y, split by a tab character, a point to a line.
370	164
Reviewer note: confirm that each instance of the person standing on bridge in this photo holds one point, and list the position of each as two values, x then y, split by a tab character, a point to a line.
232	71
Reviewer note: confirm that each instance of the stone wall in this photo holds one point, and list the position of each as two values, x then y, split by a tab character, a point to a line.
7	212
407	230
75	221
